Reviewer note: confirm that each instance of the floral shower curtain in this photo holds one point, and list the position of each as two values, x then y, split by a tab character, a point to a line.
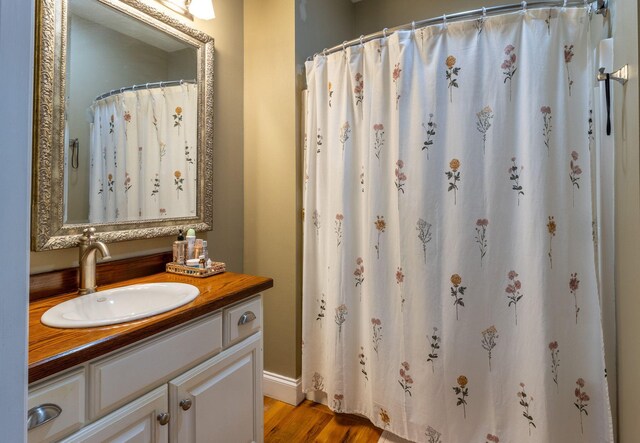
143	155
449	282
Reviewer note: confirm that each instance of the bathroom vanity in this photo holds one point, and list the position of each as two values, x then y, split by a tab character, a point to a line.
191	374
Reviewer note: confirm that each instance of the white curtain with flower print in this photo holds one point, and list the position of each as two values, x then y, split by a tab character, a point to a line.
449	282
143	155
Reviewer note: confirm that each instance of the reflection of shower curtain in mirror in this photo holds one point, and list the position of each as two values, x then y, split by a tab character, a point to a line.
143	155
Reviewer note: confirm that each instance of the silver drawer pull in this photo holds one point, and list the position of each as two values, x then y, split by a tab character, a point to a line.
42	414
246	318
163	418
186	404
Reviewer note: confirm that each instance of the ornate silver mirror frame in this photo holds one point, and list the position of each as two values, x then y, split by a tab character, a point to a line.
48	230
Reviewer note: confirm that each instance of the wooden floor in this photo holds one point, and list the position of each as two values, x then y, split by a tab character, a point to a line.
313	422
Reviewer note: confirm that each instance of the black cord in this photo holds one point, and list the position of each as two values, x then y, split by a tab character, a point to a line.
607	93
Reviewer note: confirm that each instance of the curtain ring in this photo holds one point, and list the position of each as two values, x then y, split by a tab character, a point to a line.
324	52
344	45
147	85
384	32
413	26
524	6
362	39
484	13
564	4
444	20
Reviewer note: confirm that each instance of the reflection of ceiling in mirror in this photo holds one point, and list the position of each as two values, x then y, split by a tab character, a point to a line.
110	18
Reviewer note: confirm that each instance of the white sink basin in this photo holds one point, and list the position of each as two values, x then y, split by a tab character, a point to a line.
119	305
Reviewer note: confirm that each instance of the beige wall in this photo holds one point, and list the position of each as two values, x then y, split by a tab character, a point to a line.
279	34
375	15
226	239
270	228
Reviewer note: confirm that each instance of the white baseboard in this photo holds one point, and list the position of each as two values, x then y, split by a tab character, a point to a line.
288	390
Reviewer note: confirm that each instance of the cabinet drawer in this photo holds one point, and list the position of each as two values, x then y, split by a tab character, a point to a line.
242	320
129	374
68	394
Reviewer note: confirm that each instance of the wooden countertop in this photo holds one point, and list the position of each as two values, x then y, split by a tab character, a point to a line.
52	350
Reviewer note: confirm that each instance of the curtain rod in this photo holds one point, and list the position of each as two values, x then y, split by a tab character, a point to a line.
601	7
145	86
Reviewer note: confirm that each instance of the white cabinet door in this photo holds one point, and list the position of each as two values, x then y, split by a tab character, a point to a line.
220	400
137	422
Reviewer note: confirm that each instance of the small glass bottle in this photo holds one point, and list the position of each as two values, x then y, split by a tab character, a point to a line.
205	250
202	263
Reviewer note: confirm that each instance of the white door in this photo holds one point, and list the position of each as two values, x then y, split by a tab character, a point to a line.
627	224
140	421
220	400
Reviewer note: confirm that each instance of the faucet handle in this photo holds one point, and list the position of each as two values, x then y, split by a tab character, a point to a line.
88	235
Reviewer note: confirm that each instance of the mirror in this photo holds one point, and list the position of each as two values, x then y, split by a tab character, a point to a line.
123	123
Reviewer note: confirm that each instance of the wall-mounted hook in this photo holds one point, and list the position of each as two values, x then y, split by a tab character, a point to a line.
621	75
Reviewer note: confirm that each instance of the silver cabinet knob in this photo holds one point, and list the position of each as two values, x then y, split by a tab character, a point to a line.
246	318
185	404
163	418
42	414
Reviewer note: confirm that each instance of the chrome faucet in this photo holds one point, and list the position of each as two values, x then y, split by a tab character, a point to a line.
87	263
